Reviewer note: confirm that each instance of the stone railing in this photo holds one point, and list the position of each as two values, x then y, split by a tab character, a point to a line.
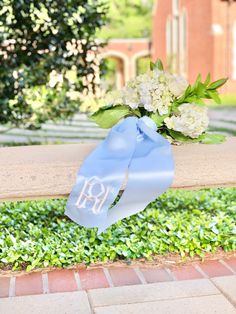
40	172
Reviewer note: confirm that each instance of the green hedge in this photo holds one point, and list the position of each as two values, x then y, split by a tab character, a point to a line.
37	234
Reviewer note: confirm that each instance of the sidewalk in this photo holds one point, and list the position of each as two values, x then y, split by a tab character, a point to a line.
208	287
197	296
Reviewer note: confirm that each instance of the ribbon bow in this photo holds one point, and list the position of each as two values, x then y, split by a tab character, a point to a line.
132	146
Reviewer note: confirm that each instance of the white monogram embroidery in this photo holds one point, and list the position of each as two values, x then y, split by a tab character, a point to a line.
95	193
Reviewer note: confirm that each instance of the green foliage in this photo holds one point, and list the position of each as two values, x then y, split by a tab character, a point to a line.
157	65
205	138
195	94
143	64
37	38
109	76
107	117
179	137
212	138
37	234
227	100
128	19
158	119
227	130
202	90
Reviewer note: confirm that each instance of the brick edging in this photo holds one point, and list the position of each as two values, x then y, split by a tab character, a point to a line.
66	280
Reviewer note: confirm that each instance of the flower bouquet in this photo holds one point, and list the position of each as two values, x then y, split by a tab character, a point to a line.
177	108
154	110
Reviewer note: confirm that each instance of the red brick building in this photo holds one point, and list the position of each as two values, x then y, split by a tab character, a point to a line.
193	36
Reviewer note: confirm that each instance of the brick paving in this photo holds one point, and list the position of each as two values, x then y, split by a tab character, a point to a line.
93	278
186	273
199	296
232	263
153	275
124	276
215	269
62	281
68	280
29	284
4	286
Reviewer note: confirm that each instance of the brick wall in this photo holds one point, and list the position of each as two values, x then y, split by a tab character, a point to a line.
199	37
210	41
223	21
161	12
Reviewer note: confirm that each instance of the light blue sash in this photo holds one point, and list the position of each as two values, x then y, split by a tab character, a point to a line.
132	147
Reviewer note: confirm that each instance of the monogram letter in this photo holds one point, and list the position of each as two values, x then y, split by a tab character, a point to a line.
93	194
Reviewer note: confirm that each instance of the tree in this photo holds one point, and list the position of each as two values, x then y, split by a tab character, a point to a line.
128	19
47	57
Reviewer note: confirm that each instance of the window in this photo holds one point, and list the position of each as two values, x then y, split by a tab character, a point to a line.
169	41
176	40
234	51
183	44
175	44
175	7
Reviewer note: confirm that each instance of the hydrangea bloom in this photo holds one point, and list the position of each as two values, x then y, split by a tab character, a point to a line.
192	120
155	91
166	99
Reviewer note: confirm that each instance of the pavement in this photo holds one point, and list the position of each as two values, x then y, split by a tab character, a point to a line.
198	296
80	129
197	287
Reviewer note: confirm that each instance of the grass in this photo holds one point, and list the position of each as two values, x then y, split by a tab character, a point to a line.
36	234
227	101
224	130
233	122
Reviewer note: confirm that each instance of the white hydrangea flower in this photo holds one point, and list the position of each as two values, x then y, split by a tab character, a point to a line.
157	73
192	120
113	98
177	85
155	91
130	97
143	78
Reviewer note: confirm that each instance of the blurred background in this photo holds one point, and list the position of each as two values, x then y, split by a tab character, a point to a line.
57	60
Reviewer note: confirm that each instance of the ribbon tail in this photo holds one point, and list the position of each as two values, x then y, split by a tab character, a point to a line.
151	172
101	176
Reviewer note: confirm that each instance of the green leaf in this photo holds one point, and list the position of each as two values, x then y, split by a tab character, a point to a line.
192	99
214	95
152	66
200	90
218	83
199	101
106	118
29	268
187	92
178	136
198	80
208	79
212	138
136	112
158	119
157	65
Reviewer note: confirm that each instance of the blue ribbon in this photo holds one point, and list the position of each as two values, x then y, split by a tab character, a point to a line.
132	146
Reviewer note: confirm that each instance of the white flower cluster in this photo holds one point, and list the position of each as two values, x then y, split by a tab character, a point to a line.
192	120
155	91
